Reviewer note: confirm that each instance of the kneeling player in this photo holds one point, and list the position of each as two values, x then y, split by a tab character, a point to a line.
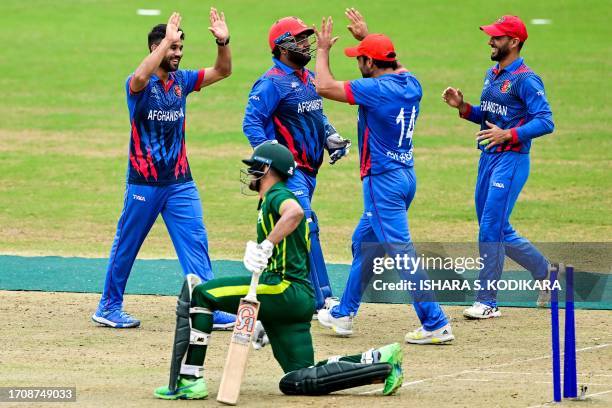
286	300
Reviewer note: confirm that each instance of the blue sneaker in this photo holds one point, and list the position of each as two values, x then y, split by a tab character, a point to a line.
115	318
223	320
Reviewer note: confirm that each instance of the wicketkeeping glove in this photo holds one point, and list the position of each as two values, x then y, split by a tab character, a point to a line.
336	145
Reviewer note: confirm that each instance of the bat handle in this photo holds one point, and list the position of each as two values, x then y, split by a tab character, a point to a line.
252	295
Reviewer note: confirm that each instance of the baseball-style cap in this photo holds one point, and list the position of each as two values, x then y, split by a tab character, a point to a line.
375	46
512	26
287	26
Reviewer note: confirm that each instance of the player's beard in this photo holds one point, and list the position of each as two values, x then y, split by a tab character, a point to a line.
167	65
300	58
365	72
500	53
255	184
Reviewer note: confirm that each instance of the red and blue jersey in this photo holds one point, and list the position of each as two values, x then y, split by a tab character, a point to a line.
157	118
513	98
388	110
283	105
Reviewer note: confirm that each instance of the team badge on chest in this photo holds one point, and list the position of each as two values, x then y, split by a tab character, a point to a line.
505	87
177	91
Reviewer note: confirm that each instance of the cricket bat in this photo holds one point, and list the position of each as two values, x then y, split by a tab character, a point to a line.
240	344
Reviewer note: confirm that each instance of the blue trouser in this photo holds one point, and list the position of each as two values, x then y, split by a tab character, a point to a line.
303	186
180	206
383	229
501	178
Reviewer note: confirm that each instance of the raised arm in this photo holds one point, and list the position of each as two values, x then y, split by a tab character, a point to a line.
357	26
147	67
223	64
325	83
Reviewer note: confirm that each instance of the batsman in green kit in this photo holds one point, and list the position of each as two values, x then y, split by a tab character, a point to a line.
286	300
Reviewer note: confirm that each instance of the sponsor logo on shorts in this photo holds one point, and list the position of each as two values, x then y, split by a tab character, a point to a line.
498	184
138	197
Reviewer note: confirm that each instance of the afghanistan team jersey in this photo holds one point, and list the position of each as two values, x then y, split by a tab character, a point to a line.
513	98
157	117
289	260
388	110
285	106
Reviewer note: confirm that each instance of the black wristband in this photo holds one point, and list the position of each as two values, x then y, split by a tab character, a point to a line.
222	44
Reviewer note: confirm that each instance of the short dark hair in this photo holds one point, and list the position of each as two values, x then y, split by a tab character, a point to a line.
158	33
521	45
385	64
381	64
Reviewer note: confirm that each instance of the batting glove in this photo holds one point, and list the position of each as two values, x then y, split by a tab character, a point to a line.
267	247
255	259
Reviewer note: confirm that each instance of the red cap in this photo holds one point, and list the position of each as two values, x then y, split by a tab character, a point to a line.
512	26
375	46
291	25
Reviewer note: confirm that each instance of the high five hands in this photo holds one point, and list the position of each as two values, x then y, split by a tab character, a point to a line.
357	26
324	37
173	33
218	27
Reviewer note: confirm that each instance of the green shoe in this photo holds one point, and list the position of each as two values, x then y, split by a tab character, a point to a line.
392	354
186	389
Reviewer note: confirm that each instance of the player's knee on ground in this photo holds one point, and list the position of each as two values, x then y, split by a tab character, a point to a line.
291	345
332	377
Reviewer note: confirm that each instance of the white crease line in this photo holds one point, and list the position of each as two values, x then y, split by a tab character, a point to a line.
483	369
599	393
548	356
546	404
523	382
418	381
546	373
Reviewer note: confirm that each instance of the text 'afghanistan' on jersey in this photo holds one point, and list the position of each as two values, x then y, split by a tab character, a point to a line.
284	105
157	153
513	98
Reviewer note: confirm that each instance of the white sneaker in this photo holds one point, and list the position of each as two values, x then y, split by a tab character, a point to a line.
481	311
343	326
421	336
328	304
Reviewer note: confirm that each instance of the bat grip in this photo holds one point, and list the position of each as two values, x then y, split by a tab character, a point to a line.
252	295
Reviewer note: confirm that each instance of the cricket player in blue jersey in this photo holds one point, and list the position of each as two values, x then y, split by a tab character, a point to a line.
513	110
283	105
388	97
158	177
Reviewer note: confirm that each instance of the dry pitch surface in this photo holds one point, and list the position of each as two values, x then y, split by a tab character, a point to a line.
48	340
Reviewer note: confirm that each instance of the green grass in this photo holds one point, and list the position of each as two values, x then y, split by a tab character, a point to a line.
64	133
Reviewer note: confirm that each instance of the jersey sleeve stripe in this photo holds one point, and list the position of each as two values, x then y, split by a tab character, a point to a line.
514	133
198	84
466	115
349	93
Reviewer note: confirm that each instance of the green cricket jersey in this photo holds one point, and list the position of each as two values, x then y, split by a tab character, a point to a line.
289	260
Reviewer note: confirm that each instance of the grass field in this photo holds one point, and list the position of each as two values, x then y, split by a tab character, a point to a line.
65	129
63	157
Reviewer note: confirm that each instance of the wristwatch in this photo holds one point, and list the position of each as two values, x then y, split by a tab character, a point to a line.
222	43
